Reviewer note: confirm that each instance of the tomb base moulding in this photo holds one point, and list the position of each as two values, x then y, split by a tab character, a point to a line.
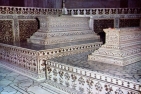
122	47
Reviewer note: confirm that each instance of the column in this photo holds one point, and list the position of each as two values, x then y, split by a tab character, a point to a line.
91	23
116	23
16	29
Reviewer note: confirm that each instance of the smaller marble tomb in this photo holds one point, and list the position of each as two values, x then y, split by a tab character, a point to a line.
122	47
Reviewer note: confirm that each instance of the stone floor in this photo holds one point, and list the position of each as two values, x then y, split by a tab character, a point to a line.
14	83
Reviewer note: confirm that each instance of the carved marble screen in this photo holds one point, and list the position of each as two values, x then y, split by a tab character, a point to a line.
27	28
100	24
6	31
129	23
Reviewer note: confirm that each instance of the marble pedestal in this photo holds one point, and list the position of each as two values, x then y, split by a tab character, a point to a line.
122	47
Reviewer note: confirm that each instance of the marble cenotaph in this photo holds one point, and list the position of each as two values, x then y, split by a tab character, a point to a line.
63	29
122	47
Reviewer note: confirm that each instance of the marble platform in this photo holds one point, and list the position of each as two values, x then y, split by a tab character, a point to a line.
28	59
75	75
57	36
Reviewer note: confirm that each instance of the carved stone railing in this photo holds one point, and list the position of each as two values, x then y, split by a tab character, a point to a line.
115	14
29	10
75	80
22	60
78	11
104	11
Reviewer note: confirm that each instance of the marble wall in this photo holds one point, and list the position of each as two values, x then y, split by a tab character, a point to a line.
134	3
4	2
31	3
72	3
16	3
92	3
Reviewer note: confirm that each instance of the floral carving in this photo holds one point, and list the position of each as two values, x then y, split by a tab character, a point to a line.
108	89
90	82
129	22
6	31
119	91
99	25
81	81
73	77
61	74
67	77
27	28
98	86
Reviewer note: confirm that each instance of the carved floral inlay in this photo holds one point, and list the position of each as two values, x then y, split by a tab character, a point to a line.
6	31
27	28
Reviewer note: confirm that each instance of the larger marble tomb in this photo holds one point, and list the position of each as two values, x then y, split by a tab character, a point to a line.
63	29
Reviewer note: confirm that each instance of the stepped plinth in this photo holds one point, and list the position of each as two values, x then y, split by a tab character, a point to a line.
56	37
122	47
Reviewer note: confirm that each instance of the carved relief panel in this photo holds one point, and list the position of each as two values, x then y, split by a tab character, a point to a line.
99	25
6	32
27	28
129	23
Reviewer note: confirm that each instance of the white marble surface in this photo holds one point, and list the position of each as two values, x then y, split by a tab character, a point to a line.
14	83
122	47
130	72
44	47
